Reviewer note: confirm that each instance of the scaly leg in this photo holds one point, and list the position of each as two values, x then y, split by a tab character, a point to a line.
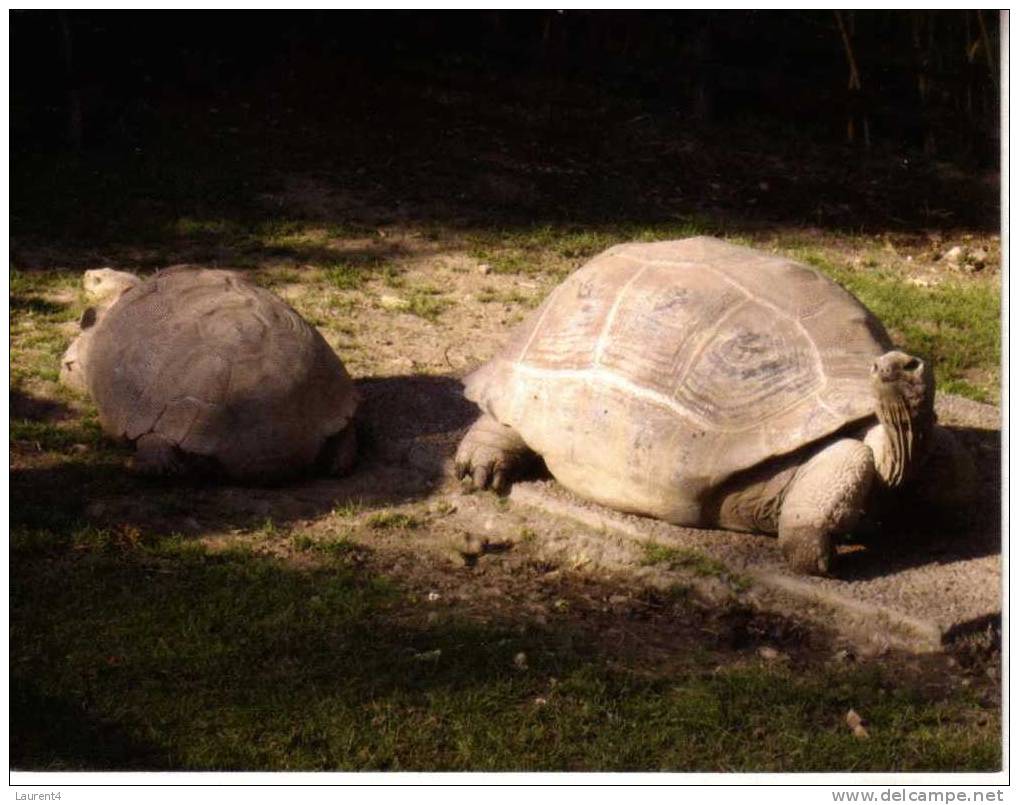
339	452
826	498
489	454
157	457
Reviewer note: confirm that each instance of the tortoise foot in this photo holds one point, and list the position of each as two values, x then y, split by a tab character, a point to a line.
155	457
489	454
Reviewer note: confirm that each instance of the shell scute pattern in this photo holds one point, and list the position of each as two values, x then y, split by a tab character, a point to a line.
744	355
221	368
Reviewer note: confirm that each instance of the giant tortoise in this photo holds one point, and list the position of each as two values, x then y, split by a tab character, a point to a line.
708	384
203	371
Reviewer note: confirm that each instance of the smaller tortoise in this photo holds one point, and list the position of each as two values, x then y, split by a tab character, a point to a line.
711	385
202	370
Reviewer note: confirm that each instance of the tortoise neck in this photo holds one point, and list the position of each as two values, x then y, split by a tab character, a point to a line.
906	432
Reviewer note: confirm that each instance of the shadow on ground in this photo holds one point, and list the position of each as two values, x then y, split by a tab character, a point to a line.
914	533
407	426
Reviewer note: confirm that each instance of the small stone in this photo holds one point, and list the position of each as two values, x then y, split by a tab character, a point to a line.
768	653
541	701
485	268
433	597
390	302
520	661
472	545
844	655
856	725
953	255
79	448
977	259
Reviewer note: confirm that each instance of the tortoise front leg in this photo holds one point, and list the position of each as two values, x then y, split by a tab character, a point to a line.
826	499
490	453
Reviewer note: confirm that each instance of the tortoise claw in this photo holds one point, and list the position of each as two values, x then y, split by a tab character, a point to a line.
480	477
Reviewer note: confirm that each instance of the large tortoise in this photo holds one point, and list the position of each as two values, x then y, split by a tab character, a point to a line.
708	384
203	370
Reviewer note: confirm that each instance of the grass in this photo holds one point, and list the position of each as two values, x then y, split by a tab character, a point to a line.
57	437
344	276
691	561
173	656
427	302
675	558
389	521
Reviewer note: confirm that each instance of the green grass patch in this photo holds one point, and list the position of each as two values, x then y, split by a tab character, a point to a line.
427	302
344	276
691	561
194	228
682	558
57	437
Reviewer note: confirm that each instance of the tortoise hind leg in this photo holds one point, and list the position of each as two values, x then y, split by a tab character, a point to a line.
490	453
826	498
157	457
337	455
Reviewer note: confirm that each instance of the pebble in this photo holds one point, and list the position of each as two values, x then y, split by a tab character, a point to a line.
485	268
856	724
953	255
393	302
520	661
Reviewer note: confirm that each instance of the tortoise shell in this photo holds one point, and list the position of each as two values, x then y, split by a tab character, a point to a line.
671	366
221	368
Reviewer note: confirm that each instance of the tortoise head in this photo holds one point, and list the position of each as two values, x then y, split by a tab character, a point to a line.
73	365
904	388
104	287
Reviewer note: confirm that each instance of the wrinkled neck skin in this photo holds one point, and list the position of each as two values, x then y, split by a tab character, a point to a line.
901	439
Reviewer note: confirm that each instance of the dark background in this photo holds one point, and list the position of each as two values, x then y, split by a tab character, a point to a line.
520	116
